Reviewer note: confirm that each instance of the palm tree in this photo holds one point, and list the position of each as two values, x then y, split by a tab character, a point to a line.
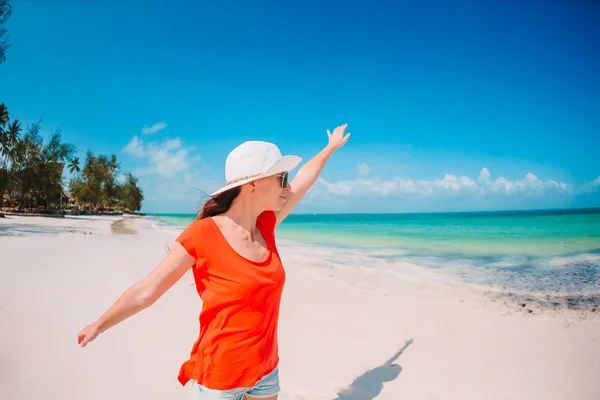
74	165
9	139
4	118
12	133
3	115
9	132
113	165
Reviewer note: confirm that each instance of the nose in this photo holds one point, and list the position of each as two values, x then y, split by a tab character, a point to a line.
287	187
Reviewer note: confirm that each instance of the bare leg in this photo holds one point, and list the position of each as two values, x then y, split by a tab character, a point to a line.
246	397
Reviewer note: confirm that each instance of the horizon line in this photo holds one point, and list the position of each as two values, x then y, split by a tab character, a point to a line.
573	209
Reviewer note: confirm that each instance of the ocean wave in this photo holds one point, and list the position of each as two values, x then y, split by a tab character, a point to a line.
161	225
573	280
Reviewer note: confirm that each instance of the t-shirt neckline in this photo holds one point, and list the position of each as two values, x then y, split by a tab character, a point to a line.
266	261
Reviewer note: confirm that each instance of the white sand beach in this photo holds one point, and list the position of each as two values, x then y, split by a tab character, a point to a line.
338	328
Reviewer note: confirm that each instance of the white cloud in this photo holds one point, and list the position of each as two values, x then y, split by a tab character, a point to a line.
157	127
590	186
484	175
170	173
172	144
449	184
135	147
530	185
166	159
362	169
343	188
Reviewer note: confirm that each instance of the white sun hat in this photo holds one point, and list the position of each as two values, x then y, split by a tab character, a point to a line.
253	160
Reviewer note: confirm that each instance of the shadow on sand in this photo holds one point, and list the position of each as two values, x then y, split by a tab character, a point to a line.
369	385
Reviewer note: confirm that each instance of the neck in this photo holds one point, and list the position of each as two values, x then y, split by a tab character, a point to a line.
244	212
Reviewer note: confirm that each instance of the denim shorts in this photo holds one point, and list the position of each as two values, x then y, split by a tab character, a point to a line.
267	386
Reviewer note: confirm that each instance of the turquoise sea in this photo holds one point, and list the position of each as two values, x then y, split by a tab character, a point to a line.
549	251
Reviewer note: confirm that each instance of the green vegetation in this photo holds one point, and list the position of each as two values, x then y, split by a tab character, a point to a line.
31	174
97	184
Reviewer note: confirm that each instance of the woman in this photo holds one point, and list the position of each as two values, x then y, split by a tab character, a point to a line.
238	273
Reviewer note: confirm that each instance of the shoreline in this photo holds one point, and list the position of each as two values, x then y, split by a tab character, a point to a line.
584	306
67	213
573	306
3	214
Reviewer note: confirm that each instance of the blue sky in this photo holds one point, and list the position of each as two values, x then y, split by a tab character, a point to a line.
469	106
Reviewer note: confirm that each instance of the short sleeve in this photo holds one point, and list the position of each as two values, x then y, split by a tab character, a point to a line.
268	219
190	238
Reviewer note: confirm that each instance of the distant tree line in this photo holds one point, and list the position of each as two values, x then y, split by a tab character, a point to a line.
31	172
97	184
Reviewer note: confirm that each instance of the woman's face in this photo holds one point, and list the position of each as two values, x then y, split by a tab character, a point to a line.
270	192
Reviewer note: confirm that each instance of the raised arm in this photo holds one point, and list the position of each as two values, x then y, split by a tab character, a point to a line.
307	175
142	294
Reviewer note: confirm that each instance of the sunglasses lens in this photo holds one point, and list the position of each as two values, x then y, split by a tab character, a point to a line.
284	180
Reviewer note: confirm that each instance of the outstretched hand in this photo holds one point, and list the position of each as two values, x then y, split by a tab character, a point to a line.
87	334
337	139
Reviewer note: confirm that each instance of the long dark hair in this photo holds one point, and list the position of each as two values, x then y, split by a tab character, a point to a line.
220	203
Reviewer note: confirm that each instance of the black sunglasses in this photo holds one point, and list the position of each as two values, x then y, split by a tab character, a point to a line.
284	180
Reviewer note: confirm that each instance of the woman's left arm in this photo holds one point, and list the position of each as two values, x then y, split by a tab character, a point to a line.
307	175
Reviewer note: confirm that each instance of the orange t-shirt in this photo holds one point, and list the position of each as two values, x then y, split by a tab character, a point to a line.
237	344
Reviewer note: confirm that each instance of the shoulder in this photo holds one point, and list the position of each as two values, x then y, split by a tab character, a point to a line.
267	219
194	236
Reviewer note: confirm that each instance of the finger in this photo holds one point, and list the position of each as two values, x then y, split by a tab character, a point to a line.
328	133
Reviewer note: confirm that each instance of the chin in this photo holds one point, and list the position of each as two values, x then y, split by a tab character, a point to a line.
278	207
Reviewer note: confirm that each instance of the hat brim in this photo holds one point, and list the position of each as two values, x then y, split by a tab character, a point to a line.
283	164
